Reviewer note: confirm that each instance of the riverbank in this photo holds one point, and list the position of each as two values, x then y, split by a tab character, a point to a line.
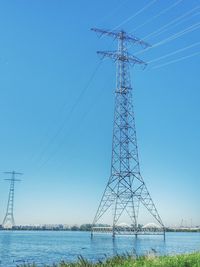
185	260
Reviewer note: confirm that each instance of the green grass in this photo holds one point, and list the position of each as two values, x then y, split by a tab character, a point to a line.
185	260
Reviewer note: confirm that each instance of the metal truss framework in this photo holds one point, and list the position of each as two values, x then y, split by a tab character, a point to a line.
126	189
9	221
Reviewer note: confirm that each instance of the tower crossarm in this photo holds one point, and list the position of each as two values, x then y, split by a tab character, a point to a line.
122	35
13	172
15	180
115	55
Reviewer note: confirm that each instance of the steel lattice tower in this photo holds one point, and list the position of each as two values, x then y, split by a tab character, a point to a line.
126	189
9	221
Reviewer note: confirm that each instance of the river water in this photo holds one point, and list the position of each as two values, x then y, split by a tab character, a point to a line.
48	247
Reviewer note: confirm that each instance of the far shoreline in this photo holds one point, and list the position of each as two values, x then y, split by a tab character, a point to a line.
79	230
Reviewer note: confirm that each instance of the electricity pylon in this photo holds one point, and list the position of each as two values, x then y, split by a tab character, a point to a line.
9	221
126	189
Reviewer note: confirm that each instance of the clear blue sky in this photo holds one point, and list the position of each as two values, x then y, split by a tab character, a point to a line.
47	56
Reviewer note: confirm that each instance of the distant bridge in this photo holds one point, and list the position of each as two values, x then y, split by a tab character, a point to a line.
125	229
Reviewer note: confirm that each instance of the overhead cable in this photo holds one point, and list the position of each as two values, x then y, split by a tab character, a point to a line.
176	60
63	124
175	52
171	22
158	15
135	14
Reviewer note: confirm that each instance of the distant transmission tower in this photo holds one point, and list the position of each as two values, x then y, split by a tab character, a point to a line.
9	221
126	189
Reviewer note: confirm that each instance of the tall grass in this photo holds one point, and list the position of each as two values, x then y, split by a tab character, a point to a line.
185	260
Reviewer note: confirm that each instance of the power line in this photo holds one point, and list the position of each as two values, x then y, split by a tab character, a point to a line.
61	109
60	129
166	29
171	22
156	16
174	36
175	52
176	24
53	154
84	115
134	15
176	60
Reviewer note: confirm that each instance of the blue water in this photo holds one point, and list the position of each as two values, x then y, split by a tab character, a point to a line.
47	247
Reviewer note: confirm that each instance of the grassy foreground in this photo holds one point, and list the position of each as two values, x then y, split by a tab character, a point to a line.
186	260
